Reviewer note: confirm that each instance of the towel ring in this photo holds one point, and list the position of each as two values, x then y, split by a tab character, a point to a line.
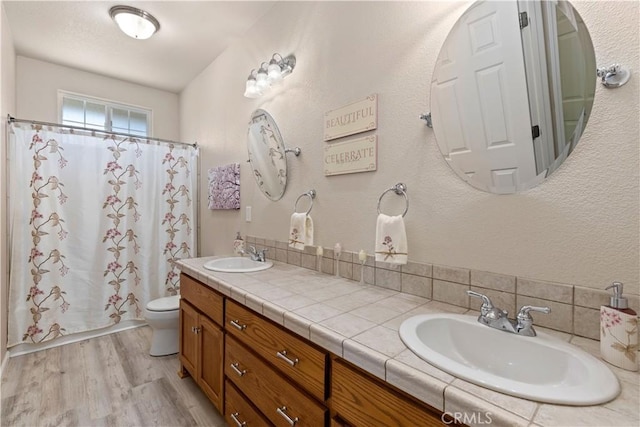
311	194
399	189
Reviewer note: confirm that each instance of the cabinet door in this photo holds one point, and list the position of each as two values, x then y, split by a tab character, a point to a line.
210	374
188	338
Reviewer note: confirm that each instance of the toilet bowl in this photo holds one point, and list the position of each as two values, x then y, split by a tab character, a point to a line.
162	315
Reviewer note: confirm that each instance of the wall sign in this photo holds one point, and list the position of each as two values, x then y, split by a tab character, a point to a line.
357	117
356	155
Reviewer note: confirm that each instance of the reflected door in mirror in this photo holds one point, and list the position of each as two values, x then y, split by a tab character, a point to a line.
479	99
512	91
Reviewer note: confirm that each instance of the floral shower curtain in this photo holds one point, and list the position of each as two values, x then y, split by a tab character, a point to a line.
96	222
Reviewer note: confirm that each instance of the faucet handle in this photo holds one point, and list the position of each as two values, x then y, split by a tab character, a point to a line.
525	321
260	255
523	314
487	305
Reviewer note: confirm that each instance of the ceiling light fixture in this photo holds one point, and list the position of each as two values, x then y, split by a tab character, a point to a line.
268	75
134	22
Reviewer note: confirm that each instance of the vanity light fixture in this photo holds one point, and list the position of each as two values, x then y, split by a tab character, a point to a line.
135	23
269	74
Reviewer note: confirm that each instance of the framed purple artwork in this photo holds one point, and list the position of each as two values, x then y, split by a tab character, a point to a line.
224	187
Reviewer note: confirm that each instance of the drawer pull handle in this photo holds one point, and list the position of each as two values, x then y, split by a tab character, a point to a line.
195	329
283	411
240	373
237	325
283	355
239	423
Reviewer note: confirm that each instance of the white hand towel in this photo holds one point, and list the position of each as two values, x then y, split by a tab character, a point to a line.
391	240
301	231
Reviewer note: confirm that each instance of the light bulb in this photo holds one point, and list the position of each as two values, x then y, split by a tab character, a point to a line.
251	90
261	81
274	72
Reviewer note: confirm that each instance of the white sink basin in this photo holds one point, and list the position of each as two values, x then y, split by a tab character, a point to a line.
541	368
237	265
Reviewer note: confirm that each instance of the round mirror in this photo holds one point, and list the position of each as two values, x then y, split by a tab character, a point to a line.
267	155
512	91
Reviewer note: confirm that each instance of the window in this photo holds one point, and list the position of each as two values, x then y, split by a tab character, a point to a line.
99	114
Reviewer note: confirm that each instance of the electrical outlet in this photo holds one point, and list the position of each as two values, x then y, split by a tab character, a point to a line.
247	214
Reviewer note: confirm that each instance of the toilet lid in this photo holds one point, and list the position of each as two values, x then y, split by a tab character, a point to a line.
164	303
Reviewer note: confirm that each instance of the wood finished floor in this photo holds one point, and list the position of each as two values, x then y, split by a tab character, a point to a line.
104	381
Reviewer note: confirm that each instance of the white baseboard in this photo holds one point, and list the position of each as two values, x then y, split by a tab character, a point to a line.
20	349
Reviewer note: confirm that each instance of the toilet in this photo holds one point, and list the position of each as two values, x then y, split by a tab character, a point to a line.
162	315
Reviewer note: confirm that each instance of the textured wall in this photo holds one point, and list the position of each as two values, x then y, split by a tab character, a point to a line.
580	227
38	83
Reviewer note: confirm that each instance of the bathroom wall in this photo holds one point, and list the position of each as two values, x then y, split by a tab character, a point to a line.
7	106
38	83
579	227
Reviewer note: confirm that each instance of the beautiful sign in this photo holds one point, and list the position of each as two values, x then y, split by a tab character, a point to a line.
356	155
357	117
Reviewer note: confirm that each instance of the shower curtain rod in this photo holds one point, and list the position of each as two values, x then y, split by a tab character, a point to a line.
36	122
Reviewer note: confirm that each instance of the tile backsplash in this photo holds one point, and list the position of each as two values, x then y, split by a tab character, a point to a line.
574	309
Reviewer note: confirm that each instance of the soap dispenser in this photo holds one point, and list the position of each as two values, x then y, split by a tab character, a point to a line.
238	245
619	331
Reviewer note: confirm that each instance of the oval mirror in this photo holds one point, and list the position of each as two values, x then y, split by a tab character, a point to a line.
267	155
509	104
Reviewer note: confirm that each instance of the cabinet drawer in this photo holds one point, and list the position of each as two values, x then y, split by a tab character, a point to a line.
292	355
202	297
364	401
238	412
278	399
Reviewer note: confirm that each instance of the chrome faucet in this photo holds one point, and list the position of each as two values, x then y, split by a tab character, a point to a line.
498	319
255	254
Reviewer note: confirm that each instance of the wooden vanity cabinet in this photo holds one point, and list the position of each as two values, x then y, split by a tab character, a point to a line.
362	400
257	373
202	339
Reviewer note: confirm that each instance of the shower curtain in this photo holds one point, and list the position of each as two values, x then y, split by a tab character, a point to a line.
96	223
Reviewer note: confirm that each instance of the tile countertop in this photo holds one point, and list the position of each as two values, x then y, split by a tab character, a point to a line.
360	323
